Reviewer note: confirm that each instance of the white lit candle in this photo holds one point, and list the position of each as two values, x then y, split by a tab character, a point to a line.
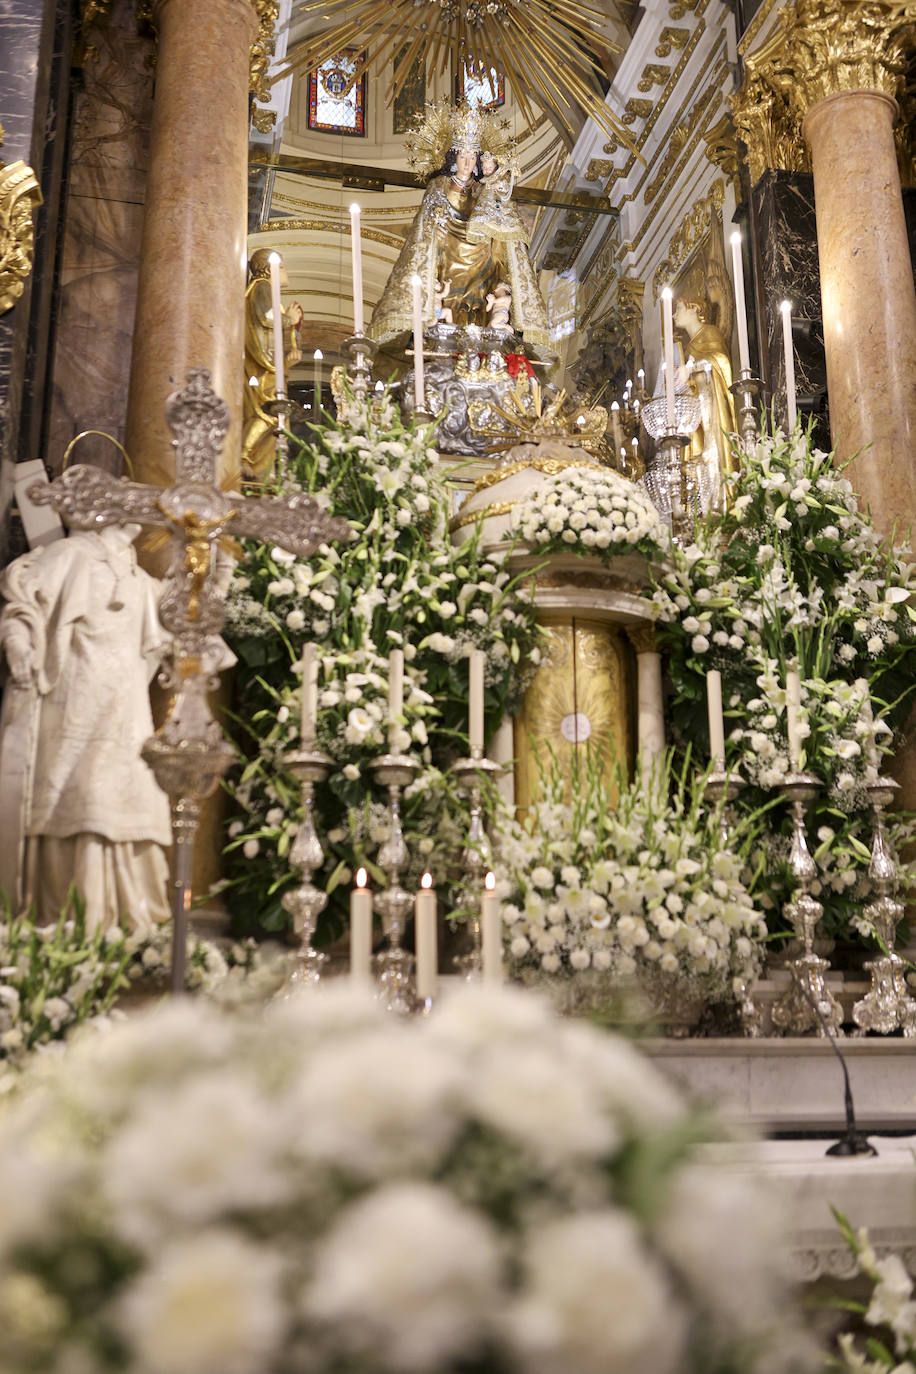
361	929
791	408
668	335
419	390
491	935
318	359
309	700
356	250
395	693
793	712
276	310
476	667
641	379
744	353
426	939
716	720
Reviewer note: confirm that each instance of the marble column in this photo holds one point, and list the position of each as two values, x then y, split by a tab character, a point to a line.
190	295
868	298
650	709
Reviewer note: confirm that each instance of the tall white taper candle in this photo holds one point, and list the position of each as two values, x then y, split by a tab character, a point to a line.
716	720
360	929
356	252
419	390
395	693
744	352
789	354
309	700
668	336
793	711
491	934
317	359
476	668
427	939
276	310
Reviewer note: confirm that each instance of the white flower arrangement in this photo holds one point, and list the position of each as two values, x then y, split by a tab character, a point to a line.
591	510
321	1188
626	885
890	1311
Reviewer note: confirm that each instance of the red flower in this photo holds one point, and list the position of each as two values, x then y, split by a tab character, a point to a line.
515	362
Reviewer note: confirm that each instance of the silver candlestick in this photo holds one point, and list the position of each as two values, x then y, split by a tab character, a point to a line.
747	390
808	1004
722	788
282	407
471	774
393	903
887	1006
362	350
306	902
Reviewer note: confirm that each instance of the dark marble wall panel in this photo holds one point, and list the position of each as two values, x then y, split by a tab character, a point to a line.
787	244
101	245
35	43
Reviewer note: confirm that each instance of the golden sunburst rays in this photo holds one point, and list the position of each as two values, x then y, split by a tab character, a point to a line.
547	49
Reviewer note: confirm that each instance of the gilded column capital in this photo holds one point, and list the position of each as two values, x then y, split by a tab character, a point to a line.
642	637
19	196
817	49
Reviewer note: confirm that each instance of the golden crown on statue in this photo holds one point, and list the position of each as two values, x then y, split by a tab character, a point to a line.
444	125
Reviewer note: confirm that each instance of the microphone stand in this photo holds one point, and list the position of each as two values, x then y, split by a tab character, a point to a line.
852	1142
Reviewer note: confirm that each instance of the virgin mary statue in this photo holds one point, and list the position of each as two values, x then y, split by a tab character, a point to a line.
459	260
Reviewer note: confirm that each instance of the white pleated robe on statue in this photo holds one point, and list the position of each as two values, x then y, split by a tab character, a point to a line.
77	802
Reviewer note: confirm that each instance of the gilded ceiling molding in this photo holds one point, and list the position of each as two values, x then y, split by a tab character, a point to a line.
653	75
20	194
669	39
395	241
695	224
678	139
816	49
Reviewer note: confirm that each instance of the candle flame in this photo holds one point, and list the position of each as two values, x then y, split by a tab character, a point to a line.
489	881
362	877
736	236
252	381
416	279
666	293
354	208
426	881
380	386
615	405
786	307
318	355
274	258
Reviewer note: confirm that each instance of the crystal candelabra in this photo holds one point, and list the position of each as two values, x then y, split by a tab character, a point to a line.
747	390
393	903
887	1006
306	902
471	775
808	1004
667	480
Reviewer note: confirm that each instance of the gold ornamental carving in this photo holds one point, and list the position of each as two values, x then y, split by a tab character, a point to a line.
817	48
599	169
20	194
670	39
695	224
636	109
642	637
678	140
722	147
654	74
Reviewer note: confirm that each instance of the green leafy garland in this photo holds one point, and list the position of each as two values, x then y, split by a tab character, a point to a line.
398	583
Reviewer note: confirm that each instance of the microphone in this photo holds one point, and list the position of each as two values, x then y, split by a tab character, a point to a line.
853	1142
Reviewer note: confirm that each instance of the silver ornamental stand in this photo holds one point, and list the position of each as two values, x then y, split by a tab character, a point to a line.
282	407
477	854
797	1010
188	753
306	902
887	1006
747	390
362	351
393	903
666	478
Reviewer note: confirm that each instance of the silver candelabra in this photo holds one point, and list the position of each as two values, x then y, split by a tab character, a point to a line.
306	902
472	774
393	903
747	390
808	1004
887	1006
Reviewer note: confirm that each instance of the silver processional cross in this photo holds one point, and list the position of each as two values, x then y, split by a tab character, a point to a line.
188	753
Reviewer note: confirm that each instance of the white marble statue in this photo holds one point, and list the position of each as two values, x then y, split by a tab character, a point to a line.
81	637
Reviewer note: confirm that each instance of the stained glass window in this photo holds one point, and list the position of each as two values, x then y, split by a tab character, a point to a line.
337	102
481	85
